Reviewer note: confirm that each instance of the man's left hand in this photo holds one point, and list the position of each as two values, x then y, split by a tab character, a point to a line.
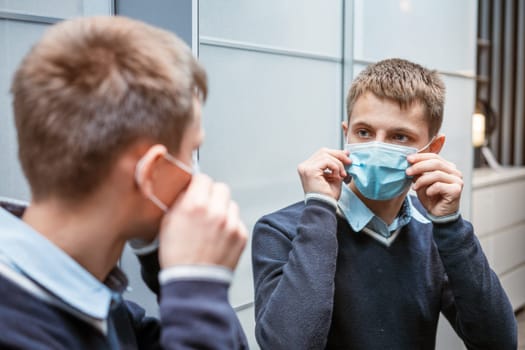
438	183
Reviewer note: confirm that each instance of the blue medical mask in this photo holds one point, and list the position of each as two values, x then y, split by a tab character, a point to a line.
378	169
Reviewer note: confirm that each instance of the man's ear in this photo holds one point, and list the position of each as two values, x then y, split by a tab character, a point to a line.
344	124
437	144
145	169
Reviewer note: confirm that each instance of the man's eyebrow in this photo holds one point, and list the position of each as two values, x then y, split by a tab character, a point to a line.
403	130
362	124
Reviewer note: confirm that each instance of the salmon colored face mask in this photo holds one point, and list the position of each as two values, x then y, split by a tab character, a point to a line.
179	164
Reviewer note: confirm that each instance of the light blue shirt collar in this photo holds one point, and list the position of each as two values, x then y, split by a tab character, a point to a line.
32	255
359	216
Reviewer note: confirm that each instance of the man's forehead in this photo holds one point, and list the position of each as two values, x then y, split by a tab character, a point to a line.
403	123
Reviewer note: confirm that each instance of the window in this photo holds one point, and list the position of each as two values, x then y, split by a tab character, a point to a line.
501	77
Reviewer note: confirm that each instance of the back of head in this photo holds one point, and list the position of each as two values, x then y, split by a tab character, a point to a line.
92	87
403	82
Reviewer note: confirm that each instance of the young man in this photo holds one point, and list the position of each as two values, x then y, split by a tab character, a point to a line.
107	112
364	265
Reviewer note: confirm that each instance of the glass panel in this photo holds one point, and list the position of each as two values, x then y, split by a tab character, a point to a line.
294	24
57	8
175	16
438	34
138	291
97	7
247	319
265	115
446	337
457	127
15	40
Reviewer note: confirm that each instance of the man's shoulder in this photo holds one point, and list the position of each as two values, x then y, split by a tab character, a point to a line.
11	294
23	300
14	206
22	312
50	326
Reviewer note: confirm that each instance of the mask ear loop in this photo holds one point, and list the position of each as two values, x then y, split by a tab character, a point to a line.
178	163
427	145
150	196
138	169
157	202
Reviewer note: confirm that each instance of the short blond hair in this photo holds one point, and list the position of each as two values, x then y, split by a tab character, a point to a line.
89	89
404	82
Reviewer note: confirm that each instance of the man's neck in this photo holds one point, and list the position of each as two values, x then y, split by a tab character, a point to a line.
385	210
87	232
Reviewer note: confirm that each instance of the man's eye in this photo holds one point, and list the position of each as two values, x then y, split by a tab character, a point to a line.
401	138
363	133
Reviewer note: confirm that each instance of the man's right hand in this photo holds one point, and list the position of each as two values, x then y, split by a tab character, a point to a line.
202	227
324	172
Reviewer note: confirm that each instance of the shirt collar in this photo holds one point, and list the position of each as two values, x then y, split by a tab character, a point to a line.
356	212
27	251
359	216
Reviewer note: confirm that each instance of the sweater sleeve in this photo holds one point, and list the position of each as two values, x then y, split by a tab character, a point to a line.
146	329
194	307
294	263
150	269
196	314
474	301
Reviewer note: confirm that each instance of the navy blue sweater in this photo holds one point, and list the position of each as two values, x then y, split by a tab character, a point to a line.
195	314
320	285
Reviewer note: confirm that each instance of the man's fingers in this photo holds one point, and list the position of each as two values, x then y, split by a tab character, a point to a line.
321	167
335	167
204	227
333	160
236	236
438	176
451	191
433	164
233	218
218	204
340	155
324	172
197	192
